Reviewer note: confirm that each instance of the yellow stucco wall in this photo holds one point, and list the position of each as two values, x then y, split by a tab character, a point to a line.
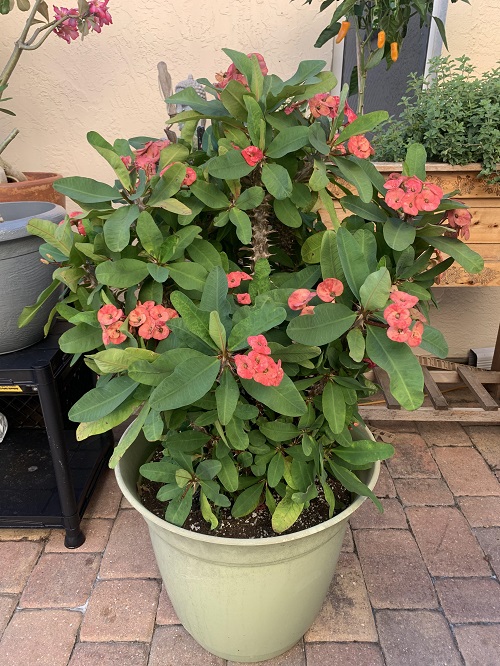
474	30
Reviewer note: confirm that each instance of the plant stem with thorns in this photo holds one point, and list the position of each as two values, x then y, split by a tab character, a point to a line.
261	229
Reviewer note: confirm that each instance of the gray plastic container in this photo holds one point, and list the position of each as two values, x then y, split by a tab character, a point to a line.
22	275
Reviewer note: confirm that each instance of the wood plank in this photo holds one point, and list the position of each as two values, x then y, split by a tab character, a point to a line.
452	377
437	398
464	415
483	397
382	378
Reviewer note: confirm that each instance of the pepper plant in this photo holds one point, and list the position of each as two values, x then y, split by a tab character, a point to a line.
217	307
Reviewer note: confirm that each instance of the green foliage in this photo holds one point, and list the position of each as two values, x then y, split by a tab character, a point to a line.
198	262
454	114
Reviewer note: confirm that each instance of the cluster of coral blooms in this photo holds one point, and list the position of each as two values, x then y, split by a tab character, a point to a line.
258	364
234	280
326	291
147	159
400	316
147	319
96	16
411	195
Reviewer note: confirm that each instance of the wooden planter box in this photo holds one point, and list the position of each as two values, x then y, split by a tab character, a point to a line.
483	200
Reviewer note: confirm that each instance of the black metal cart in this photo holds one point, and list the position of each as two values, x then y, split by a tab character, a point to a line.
46	475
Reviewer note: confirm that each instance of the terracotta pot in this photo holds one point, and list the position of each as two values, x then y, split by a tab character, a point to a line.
38	187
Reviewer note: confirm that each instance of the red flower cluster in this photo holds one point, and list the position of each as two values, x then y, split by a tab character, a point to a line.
360	147
233	74
400	315
460	219
100	14
252	155
325	104
97	16
326	290
257	364
190	174
411	195
234	279
149	319
147	158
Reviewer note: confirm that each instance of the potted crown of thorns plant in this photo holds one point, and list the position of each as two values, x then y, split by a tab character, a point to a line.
238	329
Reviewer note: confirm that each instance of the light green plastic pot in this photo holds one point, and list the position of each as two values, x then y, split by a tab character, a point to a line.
243	599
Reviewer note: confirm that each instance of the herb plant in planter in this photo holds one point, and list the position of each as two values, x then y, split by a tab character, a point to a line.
237	329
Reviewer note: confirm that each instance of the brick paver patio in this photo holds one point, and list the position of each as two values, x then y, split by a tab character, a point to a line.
417	586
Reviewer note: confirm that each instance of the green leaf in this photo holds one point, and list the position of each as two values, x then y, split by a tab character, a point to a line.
210	195
107	151
153	426
227	395
214	291
117	227
352	259
362	124
279	431
115	418
173	205
247	501
86	190
188	275
206	511
232	96
168	184
242	62
236	434
286	513
319	178
256	124
317	138
176	152
287	213
195	319
334	407
179	508
471	261
129	436
398	234
414	164
275	470
284	399
311	248
230	166
189	382
328	322
356	342
364	452
375	290
433	341
204	253
368	211
146	373
158	273
259	320
277	181
30	311
149	234
60	237
217	330
403	368
123	273
250	198
80	338
189	97
354	174
207	469
350	481
289	140
243	225
99	402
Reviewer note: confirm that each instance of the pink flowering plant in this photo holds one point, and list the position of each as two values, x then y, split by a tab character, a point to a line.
68	24
219	309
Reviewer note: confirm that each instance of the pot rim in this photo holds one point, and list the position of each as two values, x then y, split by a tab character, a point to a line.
249	543
41	177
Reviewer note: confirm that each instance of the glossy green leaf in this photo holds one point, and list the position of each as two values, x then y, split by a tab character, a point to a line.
80	338
398	234
356	342
107	151
286	513
279	431
471	261
328	322
117	227
247	501
188	275
368	211
149	234
189	382
287	213
197	321
350	481
179	508
277	181
365	451
287	141
354	174
106	423
229	166
129	436
86	190
243	225
99	402
414	164
352	259
434	342
375	290
250	198
217	330
365	123
215	291
210	195
284	399
123	273
227	395
275	470
259	320
334	407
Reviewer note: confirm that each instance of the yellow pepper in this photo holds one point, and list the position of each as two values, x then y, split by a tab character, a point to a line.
381	39
344	29
394	51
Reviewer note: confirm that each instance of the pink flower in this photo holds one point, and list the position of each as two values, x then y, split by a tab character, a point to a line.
397	316
189	178
413	184
349	113
416	334
394	181
100	14
244	366
159	313
170	313
408	204
318	106
435	189
291	108
232	74
252	155
161	330
147	158
147	304
262	62
114	335
308	310
259	344
394	196
234	279
76	216
147	329
328	289
260	361
68	30
271	375
427	200
460	219
299	298
404	299
127	160
340	148
360	147
370	363
243	299
109	314
398	334
138	316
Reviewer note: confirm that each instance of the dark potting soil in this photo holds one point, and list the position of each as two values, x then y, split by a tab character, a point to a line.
257	524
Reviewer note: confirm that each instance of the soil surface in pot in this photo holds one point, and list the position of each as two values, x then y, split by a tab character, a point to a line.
257	524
